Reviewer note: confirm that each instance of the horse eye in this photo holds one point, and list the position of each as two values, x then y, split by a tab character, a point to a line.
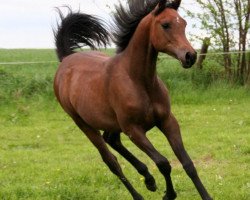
166	26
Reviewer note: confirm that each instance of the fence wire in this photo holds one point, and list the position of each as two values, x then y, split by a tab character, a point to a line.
161	56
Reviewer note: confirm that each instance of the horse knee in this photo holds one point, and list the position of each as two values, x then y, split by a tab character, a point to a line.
164	166
190	169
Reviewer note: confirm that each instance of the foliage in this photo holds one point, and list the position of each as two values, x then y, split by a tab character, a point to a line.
227	24
31	81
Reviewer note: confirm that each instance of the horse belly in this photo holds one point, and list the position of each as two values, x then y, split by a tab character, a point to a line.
99	117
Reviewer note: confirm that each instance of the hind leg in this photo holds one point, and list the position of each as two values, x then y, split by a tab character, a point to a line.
111	161
114	140
171	130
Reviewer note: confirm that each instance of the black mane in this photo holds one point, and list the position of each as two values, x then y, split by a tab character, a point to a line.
128	17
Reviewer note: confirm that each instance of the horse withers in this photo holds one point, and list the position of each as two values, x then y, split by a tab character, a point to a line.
123	93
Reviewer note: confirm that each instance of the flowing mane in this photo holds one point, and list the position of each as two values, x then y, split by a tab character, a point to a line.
127	17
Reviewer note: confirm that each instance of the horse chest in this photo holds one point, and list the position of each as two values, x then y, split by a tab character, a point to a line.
144	112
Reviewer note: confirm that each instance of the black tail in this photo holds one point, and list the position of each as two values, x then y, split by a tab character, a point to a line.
77	30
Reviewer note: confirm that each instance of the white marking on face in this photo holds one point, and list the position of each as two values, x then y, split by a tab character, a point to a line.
178	20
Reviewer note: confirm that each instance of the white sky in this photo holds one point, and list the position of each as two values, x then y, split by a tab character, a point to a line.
28	23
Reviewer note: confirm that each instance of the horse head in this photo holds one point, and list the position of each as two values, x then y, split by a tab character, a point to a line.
168	33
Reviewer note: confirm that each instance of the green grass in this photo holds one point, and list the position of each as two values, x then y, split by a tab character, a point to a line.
43	155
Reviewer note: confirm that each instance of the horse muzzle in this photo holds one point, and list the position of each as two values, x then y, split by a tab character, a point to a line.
189	59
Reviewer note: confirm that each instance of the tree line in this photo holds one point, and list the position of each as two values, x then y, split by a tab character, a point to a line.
227	25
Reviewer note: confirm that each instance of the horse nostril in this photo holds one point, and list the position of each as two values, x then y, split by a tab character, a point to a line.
190	58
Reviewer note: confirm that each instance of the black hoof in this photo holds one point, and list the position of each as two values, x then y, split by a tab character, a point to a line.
150	184
170	196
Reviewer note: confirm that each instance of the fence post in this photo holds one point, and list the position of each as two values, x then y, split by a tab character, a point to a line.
204	49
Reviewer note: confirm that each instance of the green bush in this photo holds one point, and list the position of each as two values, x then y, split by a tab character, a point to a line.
16	87
26	82
38	86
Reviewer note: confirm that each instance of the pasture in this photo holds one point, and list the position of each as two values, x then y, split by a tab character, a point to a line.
43	155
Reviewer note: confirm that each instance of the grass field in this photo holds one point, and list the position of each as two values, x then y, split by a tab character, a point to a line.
43	155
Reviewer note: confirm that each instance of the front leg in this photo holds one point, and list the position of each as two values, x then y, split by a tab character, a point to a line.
170	127
137	136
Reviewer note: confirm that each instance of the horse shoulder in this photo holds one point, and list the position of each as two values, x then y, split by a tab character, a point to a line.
129	101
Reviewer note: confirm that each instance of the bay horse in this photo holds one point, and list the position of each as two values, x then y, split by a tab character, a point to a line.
123	93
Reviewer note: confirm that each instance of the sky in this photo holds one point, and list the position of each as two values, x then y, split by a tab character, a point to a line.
29	23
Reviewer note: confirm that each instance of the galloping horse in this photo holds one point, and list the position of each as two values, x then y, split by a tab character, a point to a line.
123	93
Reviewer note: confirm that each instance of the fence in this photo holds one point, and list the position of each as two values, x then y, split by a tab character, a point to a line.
161	56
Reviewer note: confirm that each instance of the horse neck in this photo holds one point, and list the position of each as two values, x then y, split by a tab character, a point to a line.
141	57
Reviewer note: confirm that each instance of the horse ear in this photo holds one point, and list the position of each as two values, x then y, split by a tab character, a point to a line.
162	3
174	4
161	6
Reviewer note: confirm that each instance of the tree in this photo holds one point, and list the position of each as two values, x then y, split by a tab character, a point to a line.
222	19
242	9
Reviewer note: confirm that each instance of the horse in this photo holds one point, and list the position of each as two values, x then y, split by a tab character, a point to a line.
106	96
